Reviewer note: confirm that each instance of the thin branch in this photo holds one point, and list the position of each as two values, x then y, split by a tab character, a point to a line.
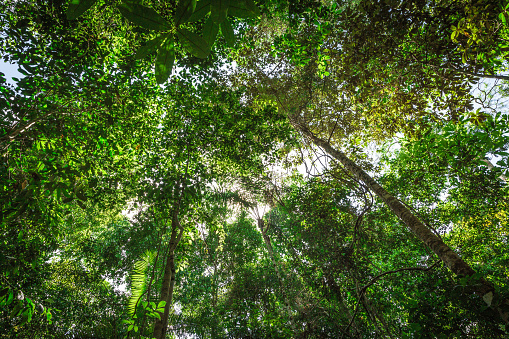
479	75
375	279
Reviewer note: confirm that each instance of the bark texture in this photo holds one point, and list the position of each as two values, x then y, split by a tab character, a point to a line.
451	259
168	278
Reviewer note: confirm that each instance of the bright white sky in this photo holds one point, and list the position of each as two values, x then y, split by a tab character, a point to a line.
9	71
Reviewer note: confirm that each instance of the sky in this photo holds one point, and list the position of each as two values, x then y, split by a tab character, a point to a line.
10	70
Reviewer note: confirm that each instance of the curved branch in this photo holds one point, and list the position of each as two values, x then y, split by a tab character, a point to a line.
375	279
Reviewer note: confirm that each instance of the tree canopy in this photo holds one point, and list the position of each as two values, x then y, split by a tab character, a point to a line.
254	169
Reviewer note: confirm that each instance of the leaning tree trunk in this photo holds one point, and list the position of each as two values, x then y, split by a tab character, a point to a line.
452	260
168	278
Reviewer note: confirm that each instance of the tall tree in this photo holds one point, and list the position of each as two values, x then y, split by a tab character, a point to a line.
177	110
298	85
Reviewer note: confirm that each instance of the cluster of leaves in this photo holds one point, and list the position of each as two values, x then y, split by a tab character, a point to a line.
213	13
482	34
461	146
88	132
64	126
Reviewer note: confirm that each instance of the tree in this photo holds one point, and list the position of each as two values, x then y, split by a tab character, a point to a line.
298	92
91	132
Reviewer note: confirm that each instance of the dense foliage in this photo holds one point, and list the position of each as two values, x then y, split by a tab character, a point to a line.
254	169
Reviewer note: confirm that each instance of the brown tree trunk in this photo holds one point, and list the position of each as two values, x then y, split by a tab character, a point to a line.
266	239
168	278
452	260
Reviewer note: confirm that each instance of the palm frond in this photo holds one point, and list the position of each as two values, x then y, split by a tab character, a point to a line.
139	281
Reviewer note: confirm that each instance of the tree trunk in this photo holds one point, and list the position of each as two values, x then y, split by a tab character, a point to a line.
168	278
452	260
266	239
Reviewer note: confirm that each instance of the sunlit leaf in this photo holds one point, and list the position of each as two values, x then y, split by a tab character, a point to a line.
151	46
48	316
139	281
193	43
185	9
143	16
78	7
502	17
165	59
227	31
210	30
218	10
201	10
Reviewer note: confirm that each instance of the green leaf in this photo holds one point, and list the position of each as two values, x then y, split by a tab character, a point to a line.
78	7
162	303
17	310
227	31
24	318
48	316
143	16
165	59
201	10
193	43
184	11
9	298
139	281
218	10
244	9
252	7
151	46
210	30
502	17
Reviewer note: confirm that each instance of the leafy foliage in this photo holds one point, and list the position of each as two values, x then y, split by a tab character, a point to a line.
186	11
197	205
139	281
